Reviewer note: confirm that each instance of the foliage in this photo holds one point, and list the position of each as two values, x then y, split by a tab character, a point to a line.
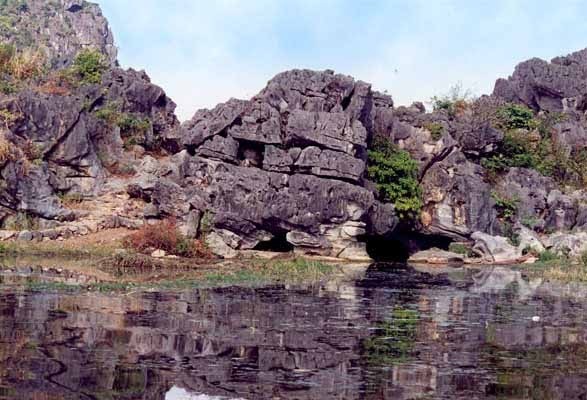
71	199
455	102
21	65
549	256
459	248
514	116
22	221
163	235
89	65
7	118
395	174
528	143
506	208
8	151
133	129
436	130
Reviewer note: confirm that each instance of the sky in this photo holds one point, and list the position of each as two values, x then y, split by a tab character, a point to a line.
203	52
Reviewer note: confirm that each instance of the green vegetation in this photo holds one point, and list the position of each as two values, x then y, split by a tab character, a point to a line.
459	248
133	130
456	101
507	208
8	151
528	143
395	174
21	222
20	66
89	65
436	130
515	116
7	118
254	273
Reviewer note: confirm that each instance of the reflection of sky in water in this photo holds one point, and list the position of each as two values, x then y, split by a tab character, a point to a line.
176	393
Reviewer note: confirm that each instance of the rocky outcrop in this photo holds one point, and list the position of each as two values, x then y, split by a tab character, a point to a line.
60	28
287	168
62	147
287	164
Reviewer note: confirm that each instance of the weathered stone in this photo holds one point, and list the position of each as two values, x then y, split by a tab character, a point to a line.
159	254
573	244
329	163
331	130
221	148
436	256
457	198
495	249
218	246
528	239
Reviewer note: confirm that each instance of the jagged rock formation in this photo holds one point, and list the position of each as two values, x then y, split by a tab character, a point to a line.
287	168
61	28
287	164
75	140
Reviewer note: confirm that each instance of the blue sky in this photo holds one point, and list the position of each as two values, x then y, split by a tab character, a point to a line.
204	52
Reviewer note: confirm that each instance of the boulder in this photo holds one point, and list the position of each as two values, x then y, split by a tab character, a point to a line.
436	256
572	244
495	249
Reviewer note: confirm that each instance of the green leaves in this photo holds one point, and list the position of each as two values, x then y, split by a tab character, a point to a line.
395	174
89	65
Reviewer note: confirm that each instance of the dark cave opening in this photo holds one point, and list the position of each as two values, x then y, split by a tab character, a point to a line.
277	244
251	153
400	246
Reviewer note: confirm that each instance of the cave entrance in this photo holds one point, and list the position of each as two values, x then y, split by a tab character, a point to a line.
277	244
397	248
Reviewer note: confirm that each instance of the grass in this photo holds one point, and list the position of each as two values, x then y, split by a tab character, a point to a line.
54	250
129	270
255	274
555	267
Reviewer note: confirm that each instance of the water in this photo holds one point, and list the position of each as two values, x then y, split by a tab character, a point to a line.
394	333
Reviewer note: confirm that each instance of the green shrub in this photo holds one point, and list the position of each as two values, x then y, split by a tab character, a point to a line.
7	52
506	208
549	256
436	130
459	248
515	116
395	173
454	102
89	65
133	129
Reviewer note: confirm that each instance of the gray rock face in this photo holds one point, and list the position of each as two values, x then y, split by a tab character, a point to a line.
61	146
457	198
61	28
495	249
288	163
544	86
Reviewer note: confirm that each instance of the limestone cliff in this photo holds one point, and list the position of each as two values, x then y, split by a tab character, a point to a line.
287	168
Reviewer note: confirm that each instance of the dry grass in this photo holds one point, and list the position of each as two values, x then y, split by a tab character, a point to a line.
8	151
58	83
165	236
27	65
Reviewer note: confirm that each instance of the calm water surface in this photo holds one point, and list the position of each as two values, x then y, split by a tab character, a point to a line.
396	333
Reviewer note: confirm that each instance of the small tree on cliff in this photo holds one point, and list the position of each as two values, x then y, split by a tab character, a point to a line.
395	174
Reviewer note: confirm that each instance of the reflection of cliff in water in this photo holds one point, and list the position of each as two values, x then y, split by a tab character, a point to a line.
395	334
